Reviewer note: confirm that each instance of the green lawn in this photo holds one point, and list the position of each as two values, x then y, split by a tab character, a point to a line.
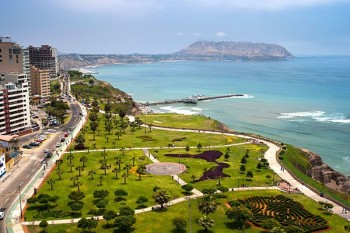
196	166
134	186
151	222
182	121
146	137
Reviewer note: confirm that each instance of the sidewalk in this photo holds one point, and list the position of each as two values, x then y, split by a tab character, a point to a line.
13	219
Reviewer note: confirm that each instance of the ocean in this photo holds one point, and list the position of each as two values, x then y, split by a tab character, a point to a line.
303	101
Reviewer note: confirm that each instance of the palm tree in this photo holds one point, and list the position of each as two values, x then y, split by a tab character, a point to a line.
51	182
70	156
80	140
78	185
83	160
79	168
133	161
74	179
207	205
206	222
71	167
101	179
93	127
199	147
118	161
127	168
113	143
59	173
58	163
116	170
104	166
140	170
91	173
124	176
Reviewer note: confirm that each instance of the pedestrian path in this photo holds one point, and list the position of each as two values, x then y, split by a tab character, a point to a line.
270	155
151	208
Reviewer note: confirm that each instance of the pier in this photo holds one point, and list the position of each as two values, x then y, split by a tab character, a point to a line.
192	99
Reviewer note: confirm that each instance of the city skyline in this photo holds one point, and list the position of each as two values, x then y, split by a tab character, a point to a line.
316	27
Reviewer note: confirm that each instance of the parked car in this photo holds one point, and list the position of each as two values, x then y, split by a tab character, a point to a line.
2	213
27	146
58	144
46	150
34	144
66	134
63	139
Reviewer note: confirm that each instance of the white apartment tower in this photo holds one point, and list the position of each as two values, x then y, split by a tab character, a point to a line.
14	103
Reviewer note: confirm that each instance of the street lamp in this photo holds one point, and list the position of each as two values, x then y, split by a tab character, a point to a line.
190	215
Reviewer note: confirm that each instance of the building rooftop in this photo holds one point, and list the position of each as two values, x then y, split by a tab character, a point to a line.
7	138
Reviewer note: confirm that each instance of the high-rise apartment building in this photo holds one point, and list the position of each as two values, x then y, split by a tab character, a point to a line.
44	58
14	103
40	82
10	56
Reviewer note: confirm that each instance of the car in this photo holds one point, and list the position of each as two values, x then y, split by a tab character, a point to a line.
27	146
46	150
48	154
58	144
63	139
34	144
66	134
2	213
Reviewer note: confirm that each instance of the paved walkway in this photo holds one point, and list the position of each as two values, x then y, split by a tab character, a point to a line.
270	155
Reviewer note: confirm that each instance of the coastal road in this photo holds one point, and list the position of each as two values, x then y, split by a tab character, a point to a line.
31	163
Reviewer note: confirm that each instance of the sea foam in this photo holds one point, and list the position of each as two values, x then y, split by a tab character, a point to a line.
317	116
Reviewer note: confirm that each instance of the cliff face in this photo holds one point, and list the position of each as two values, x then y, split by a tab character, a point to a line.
240	50
325	174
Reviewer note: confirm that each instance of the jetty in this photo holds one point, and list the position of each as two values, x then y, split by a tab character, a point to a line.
191	100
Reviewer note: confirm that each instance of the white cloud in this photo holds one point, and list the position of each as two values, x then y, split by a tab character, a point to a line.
197	34
264	4
179	34
220	34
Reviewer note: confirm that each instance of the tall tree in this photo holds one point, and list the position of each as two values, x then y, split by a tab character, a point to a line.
206	222
51	182
161	197
207	205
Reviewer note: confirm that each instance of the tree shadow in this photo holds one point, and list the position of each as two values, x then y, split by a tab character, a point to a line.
203	231
178	231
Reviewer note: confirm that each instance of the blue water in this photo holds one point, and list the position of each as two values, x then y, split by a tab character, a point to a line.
304	101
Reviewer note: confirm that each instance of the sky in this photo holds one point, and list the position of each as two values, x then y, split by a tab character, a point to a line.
303	27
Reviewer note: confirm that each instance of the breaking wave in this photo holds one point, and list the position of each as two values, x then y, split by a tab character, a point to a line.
317	116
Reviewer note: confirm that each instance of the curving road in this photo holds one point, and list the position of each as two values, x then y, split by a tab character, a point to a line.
31	162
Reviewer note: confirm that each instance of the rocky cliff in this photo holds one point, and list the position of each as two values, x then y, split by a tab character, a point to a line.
320	171
238	50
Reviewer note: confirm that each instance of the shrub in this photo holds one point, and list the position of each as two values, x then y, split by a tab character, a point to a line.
120	192
179	223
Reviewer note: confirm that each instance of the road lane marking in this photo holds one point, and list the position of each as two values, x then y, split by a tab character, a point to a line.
27	176
35	162
14	191
33	170
21	183
7	200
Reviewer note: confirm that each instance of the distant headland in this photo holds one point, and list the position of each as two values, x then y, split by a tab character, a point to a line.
198	51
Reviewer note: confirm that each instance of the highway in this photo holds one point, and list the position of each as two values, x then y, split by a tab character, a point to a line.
31	162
